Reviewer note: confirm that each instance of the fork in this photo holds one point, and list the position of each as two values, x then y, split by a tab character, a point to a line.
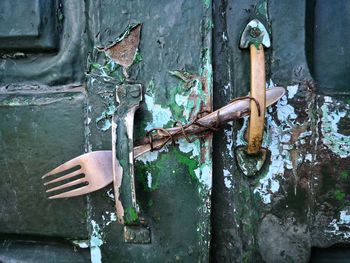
96	168
97	165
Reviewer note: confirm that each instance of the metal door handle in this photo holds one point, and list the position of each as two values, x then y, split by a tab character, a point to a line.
256	37
251	159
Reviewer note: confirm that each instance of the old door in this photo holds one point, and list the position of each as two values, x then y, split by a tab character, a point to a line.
57	95
57	91
299	205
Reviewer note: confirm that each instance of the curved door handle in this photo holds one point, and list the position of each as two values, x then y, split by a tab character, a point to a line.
256	37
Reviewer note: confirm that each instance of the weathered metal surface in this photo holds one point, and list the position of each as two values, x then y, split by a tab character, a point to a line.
137	234
128	98
124	49
299	201
172	185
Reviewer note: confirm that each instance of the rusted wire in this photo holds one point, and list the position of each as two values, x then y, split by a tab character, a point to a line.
172	137
257	104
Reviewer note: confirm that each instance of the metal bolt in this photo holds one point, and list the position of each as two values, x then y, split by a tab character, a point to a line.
254	32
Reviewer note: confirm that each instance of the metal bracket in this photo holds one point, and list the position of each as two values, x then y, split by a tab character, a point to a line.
137	234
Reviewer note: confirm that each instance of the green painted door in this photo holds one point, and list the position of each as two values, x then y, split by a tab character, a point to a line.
57	91
297	209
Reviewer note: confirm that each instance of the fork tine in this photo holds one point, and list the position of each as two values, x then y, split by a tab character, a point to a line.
75	192
67	176
63	167
72	183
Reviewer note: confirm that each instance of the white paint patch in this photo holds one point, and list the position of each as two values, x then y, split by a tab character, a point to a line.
340	227
186	147
227	179
338	143
308	157
183	101
149	180
81	243
344	217
277	140
224	37
285	112
110	194
148	157
227	89
292	90
240	140
204	174
229	140
160	116
95	243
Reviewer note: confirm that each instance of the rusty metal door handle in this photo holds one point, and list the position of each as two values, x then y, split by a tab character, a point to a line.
251	159
256	37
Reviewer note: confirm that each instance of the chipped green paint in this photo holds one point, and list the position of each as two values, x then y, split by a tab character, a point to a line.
339	195
344	175
210	25
138	57
161	116
148	175
104	121
102	66
261	9
207	3
130	215
125	33
185	159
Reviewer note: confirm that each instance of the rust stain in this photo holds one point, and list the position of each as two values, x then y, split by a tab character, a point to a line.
123	52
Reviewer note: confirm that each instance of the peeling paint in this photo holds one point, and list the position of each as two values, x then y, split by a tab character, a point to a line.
95	243
148	157
186	147
338	143
112	218
81	243
292	90
277	139
227	179
204	174
340	227
161	116
110	194
229	139
183	101
149	180
104	121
